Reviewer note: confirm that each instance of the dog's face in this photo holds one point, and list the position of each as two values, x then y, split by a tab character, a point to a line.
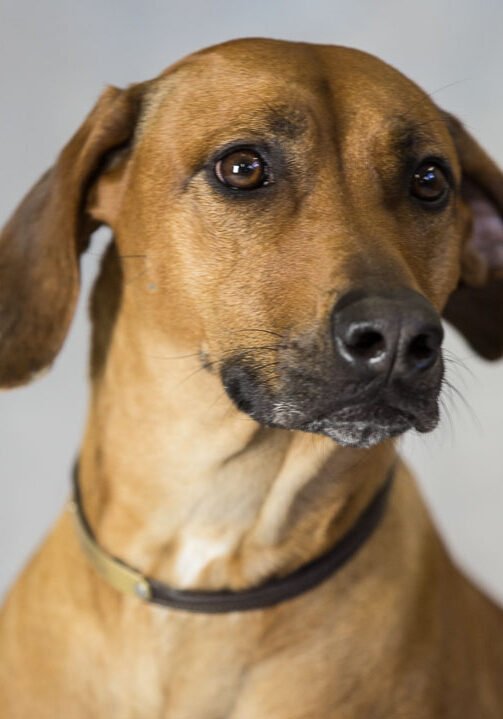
303	219
292	201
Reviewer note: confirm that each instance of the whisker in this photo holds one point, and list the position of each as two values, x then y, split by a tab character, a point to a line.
454	392
191	374
456	361
136	277
269	332
198	354
445	87
243	350
446	413
175	357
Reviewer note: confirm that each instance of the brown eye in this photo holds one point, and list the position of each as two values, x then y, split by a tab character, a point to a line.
242	170
429	183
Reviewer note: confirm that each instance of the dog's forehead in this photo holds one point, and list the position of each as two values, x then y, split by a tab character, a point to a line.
285	89
266	73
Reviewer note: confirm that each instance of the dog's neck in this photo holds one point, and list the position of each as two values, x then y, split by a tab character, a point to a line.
183	486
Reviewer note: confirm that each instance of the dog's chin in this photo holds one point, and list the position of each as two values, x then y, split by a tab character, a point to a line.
367	431
364	428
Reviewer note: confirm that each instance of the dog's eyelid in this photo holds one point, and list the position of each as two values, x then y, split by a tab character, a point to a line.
441	162
258	145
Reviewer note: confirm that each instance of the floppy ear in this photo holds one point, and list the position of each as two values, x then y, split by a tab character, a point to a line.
475	308
41	243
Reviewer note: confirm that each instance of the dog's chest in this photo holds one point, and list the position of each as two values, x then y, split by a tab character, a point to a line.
245	666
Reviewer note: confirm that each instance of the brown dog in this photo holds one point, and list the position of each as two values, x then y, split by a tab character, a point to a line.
289	222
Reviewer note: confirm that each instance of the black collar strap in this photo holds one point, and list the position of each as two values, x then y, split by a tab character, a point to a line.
129	581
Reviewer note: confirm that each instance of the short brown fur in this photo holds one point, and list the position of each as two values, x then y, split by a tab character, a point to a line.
179	483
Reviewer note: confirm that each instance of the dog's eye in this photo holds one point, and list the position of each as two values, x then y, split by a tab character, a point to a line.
242	170
429	183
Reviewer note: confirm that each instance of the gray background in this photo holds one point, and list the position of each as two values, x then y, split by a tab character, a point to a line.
56	55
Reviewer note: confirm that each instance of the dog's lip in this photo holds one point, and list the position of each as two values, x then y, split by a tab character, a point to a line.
362	427
370	412
357	430
390	414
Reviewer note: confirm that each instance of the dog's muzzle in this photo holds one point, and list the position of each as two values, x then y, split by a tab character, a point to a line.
378	374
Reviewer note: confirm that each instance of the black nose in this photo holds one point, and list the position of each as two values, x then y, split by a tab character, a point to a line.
395	332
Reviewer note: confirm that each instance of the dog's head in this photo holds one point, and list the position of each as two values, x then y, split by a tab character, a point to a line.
304	215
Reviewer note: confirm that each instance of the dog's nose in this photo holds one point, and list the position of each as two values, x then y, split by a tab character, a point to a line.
395	332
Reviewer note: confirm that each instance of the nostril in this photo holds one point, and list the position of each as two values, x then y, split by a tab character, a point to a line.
423	350
420	347
366	343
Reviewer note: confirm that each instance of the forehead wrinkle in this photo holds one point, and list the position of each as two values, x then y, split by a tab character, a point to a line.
285	121
408	137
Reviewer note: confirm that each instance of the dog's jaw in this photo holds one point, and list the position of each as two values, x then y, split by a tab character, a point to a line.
364	434
376	414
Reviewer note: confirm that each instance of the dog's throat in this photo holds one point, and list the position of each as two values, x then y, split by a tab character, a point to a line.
130	581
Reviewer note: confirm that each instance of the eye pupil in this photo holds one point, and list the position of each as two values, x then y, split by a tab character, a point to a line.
429	183
241	170
245	167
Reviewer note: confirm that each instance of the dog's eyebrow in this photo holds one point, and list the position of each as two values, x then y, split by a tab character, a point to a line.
408	137
286	121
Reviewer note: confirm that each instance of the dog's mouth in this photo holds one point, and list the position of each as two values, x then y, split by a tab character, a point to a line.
373	372
357	414
358	426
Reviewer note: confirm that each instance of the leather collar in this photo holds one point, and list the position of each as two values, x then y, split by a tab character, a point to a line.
130	581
